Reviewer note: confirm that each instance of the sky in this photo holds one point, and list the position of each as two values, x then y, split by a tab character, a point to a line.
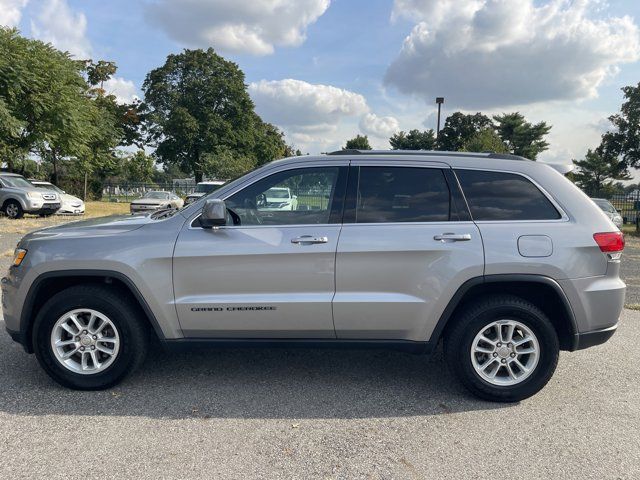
326	70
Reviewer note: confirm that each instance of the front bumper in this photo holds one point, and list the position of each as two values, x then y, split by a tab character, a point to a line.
596	337
37	208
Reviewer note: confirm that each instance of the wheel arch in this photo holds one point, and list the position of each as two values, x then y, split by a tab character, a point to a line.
49	283
540	290
15	198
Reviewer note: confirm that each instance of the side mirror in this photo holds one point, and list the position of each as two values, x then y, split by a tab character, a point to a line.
214	214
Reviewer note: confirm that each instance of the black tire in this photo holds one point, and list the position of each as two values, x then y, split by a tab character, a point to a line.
12	206
458	343
122	312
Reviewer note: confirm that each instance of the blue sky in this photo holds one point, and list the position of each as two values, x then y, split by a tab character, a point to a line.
325	70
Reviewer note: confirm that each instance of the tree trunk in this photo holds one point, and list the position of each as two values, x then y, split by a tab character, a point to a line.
54	162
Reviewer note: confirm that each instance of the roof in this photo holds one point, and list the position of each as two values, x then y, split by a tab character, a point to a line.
9	174
430	153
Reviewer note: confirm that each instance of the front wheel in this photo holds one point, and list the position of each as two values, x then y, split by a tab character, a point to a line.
89	338
502	349
13	209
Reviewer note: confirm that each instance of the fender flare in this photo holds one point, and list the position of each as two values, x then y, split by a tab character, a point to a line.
503	278
27	316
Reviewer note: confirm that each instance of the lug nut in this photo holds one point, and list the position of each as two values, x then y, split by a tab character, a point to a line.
509	345
82	349
504	361
495	354
84	332
499	344
513	355
92	347
95	336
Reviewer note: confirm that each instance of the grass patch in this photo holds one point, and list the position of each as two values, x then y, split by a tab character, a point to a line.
30	222
632	306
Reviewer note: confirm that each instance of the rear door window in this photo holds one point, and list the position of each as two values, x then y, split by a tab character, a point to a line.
504	196
402	194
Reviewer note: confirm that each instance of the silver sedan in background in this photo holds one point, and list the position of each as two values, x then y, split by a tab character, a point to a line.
156	200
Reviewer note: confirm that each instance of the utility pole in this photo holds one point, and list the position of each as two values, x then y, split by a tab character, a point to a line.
439	102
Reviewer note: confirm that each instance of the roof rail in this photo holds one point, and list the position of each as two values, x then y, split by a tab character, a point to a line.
430	153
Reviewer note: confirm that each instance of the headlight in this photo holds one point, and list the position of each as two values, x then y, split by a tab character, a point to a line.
18	256
34	195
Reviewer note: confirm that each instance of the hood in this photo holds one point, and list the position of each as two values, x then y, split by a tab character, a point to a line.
150	201
65	197
196	195
113	225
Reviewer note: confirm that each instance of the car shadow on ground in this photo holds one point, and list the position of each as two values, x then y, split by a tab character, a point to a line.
248	383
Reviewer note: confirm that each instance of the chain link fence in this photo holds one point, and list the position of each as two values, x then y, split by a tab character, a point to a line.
128	191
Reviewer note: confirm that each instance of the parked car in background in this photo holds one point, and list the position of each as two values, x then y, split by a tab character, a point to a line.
202	189
19	196
69	204
278	198
609	210
156	200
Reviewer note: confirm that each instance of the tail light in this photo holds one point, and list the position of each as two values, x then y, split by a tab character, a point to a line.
609	242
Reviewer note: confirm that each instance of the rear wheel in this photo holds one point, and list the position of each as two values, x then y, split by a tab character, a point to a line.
502	349
89	338
13	209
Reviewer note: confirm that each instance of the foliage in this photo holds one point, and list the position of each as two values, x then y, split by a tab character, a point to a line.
414	140
138	167
623	141
521	137
197	105
596	172
359	142
459	128
486	140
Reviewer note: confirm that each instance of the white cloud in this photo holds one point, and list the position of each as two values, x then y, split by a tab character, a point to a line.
124	90
297	103
65	29
237	26
382	127
494	53
314	117
11	12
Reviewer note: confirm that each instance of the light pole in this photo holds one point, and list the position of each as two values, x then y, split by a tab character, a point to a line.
439	102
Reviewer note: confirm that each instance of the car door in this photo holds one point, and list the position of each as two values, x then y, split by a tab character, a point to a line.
270	274
406	245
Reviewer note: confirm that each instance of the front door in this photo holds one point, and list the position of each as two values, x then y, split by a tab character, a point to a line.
406	245
272	273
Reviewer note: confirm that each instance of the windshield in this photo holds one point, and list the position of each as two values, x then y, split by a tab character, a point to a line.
605	205
48	186
278	193
156	195
206	188
19	182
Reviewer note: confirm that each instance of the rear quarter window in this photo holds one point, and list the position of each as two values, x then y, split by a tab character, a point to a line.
504	196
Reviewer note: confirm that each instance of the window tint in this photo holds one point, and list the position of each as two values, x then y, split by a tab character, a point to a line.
504	196
402	194
293	197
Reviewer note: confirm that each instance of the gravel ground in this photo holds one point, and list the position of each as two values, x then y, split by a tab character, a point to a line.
323	414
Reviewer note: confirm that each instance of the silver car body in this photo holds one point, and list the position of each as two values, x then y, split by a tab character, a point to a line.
155	200
377	282
31	198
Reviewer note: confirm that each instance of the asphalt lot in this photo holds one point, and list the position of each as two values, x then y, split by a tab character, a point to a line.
324	414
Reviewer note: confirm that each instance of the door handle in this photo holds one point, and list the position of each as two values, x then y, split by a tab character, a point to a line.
453	237
309	239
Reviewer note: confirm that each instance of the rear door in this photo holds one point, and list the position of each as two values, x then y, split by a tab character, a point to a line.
406	245
272	275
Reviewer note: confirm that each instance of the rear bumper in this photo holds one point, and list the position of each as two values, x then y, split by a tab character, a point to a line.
596	337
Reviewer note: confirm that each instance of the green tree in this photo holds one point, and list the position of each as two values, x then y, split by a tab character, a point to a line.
521	137
413	140
138	167
459	128
623	141
596	173
197	102
359	142
486	140
43	106
99	72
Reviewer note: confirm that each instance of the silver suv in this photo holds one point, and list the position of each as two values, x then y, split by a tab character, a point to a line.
19	196
501	258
